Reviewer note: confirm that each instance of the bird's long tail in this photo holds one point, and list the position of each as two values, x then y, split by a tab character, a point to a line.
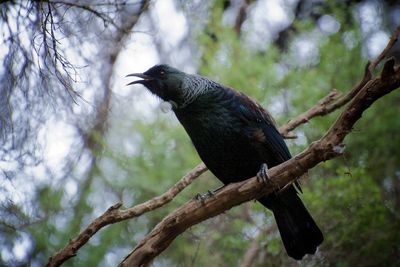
299	232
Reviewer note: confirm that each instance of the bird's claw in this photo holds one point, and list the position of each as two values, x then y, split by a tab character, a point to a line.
262	175
202	197
209	194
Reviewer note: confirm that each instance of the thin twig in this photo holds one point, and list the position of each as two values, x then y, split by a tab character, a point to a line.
104	17
393	39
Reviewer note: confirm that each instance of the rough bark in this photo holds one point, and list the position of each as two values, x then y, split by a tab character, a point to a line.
115	214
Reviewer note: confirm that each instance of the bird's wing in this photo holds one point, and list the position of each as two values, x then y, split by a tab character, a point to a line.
262	130
264	134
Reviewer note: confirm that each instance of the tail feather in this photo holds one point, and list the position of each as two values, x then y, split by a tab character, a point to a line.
299	232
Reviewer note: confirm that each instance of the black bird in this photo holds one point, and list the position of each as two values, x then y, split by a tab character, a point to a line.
234	137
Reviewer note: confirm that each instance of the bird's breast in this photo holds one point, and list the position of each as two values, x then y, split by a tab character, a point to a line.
222	142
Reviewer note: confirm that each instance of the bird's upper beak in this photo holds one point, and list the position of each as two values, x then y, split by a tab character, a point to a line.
140	75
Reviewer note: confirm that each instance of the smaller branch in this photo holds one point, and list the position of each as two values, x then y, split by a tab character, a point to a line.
368	74
345	99
319	109
166	197
382	55
327	105
115	214
104	17
241	16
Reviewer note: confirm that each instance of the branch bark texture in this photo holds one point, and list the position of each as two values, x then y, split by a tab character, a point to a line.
115	214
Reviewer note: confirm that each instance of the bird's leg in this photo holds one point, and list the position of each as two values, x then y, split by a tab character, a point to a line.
208	194
202	197
216	190
262	177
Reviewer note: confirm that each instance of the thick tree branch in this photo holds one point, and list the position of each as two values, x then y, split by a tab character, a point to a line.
328	147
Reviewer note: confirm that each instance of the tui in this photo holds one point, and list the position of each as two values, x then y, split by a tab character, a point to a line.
234	136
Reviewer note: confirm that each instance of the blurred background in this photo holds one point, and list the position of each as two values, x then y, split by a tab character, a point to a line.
75	140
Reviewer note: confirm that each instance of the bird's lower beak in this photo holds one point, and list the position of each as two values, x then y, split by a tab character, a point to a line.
140	75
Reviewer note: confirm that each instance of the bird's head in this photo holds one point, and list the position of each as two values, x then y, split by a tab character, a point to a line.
163	81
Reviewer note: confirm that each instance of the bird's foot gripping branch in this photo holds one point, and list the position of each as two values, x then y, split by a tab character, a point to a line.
262	174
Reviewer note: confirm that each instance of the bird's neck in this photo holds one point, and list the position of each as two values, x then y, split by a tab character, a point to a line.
207	106
194	86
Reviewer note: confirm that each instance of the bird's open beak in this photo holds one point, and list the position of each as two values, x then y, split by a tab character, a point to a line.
140	75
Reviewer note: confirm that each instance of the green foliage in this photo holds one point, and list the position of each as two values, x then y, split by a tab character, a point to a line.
360	229
375	142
